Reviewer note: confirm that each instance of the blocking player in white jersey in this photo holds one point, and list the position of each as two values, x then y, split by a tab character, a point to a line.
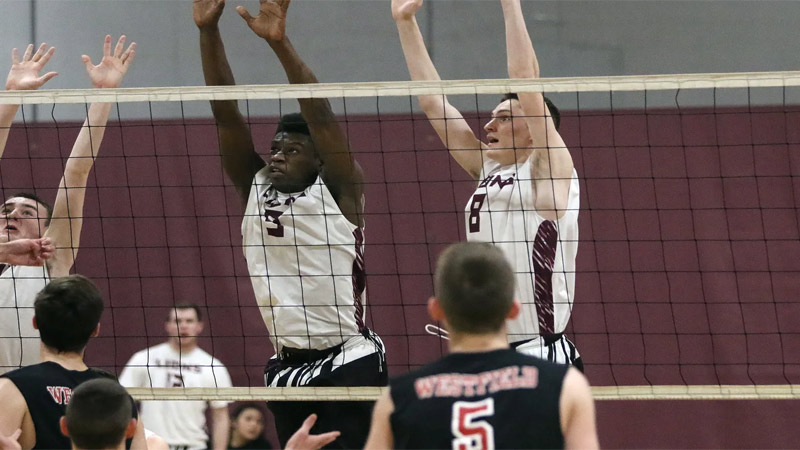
302	234
26	216
527	200
180	362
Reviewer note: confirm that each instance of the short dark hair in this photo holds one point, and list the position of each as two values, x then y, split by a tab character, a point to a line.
67	312
242	407
193	306
98	413
38	200
554	112
293	123
475	287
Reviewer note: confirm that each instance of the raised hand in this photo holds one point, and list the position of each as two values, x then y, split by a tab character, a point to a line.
24	74
207	12
270	23
27	252
303	440
112	68
405	9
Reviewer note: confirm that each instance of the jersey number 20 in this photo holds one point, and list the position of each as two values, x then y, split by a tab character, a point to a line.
471	433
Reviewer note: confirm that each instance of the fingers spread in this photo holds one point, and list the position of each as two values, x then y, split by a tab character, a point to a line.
107	46
39	52
120	46
129	55
87	62
14	56
245	14
47	77
326	438
309	422
28	52
47	56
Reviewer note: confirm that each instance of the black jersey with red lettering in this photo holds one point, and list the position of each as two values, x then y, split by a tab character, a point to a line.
465	401
47	388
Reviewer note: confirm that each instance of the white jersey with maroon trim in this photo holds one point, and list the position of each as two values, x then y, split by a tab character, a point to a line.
19	341
306	263
541	252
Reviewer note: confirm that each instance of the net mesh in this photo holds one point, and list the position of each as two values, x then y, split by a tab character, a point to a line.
687	268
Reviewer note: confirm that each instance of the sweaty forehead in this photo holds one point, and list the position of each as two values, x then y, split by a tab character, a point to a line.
22	201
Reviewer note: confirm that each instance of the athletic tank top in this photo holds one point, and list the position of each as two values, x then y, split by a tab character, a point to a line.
497	399
541	252
19	341
47	388
306	263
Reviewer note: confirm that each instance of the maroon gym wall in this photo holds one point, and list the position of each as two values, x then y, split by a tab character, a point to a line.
687	269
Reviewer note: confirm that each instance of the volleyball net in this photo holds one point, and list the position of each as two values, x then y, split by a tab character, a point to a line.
687	270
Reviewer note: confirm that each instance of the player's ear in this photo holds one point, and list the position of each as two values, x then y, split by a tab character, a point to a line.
514	311
435	309
130	430
35	327
62	424
96	331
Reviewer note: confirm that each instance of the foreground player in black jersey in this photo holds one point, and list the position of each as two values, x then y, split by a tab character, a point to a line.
483	395
34	398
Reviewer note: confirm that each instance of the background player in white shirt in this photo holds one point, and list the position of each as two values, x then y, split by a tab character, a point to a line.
302	234
179	362
528	199
26	216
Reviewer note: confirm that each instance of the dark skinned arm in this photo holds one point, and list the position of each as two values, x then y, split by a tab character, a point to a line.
239	158
340	172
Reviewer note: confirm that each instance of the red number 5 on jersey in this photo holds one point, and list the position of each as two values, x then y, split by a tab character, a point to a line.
472	434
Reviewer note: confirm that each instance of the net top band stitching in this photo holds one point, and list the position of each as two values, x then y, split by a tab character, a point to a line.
405	88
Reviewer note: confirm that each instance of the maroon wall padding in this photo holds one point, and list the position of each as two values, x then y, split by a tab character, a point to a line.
688	268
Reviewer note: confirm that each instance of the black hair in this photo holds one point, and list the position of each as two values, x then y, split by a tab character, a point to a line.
241	407
293	123
38	200
475	287
98	413
67	312
193	306
554	112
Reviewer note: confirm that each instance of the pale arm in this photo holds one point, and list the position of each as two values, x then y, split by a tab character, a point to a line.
577	412
380	430
26	252
221	426
65	226
24	75
14	409
448	122
552	166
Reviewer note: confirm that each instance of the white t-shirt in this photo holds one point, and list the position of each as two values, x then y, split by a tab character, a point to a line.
19	341
501	211
178	422
306	263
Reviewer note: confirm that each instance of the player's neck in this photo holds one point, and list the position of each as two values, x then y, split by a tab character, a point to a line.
477	343
182	346
67	360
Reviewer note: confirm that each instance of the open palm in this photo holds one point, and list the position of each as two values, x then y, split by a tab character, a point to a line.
113	67
270	23
24	73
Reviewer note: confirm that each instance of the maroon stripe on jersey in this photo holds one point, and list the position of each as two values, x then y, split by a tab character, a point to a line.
359	278
544	256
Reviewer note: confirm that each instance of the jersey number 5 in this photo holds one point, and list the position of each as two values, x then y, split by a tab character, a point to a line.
470	433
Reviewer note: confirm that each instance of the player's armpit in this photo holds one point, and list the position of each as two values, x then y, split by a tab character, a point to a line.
380	431
577	412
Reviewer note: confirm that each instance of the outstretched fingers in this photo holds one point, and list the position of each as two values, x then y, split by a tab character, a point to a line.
107	46
40	52
47	55
129	55
87	61
120	46
28	53
14	56
47	77
245	14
